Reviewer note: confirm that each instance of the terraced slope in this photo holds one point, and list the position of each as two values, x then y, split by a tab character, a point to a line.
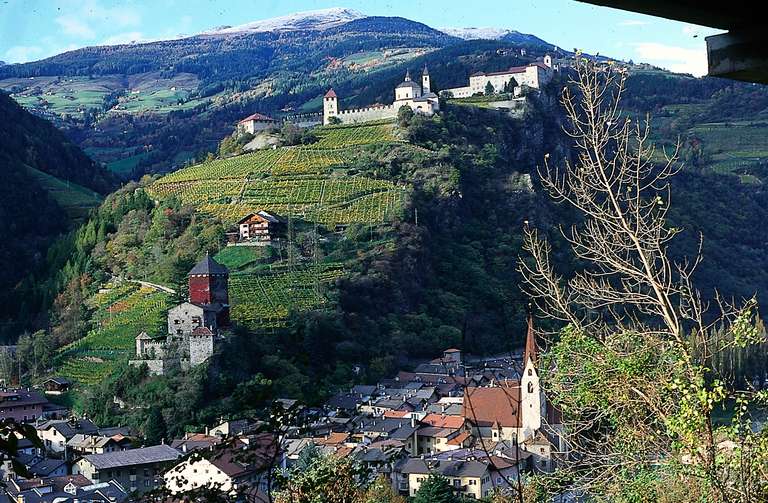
121	312
306	182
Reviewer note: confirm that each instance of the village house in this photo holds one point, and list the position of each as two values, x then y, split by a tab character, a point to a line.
257	229
56	433
194	442
255	123
63	489
234	468
82	444
418	97
369	430
56	385
533	75
470	479
137	470
442	433
23	405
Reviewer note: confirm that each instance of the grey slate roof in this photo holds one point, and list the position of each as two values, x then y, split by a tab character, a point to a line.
58	380
70	428
446	468
362	389
208	266
142	456
408	83
268	217
46	467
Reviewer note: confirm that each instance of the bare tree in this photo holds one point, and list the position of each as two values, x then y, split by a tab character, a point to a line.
636	396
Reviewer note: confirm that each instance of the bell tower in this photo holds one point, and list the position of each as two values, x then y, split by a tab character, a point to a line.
425	80
330	106
532	405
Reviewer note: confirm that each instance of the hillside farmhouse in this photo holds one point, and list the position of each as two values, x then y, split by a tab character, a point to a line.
533	75
255	123
193	326
257	229
419	97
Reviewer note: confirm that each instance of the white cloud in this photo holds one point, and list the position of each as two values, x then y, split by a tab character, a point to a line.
124	38
74	27
121	15
633	22
88	18
22	53
676	59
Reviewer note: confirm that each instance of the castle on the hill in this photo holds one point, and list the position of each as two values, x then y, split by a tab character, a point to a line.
193	326
419	97
533	75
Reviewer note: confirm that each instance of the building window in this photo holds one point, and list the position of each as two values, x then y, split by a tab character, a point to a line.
530	387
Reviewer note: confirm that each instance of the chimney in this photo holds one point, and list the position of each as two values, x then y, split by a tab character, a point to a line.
413	421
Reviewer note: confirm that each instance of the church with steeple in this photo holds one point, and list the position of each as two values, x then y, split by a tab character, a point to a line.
417	96
516	412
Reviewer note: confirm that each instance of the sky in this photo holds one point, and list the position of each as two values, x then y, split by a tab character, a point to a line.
35	29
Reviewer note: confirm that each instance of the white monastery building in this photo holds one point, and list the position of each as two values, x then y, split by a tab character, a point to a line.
533	75
419	97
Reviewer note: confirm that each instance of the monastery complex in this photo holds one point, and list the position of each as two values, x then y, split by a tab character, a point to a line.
419	97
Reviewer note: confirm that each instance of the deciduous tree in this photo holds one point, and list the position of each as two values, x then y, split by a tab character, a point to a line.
637	398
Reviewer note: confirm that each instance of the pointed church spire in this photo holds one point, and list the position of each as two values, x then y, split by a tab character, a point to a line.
530	341
407	75
425	71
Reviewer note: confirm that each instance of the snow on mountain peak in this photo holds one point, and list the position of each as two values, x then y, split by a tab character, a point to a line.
308	20
476	33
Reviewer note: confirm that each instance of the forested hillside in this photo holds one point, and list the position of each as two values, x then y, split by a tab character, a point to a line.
48	185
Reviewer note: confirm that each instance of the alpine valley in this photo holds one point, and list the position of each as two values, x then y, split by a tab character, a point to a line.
125	170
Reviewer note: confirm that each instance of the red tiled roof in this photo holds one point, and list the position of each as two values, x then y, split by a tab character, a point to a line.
530	344
202	331
459	439
258	117
335	438
396	413
330	94
443	421
487	406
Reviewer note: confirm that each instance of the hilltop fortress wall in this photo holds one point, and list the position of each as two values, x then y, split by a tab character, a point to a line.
367	114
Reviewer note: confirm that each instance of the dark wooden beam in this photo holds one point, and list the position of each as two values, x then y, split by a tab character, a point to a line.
739	55
723	15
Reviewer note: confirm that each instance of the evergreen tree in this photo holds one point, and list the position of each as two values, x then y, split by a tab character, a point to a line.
435	489
489	89
307	457
155	428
